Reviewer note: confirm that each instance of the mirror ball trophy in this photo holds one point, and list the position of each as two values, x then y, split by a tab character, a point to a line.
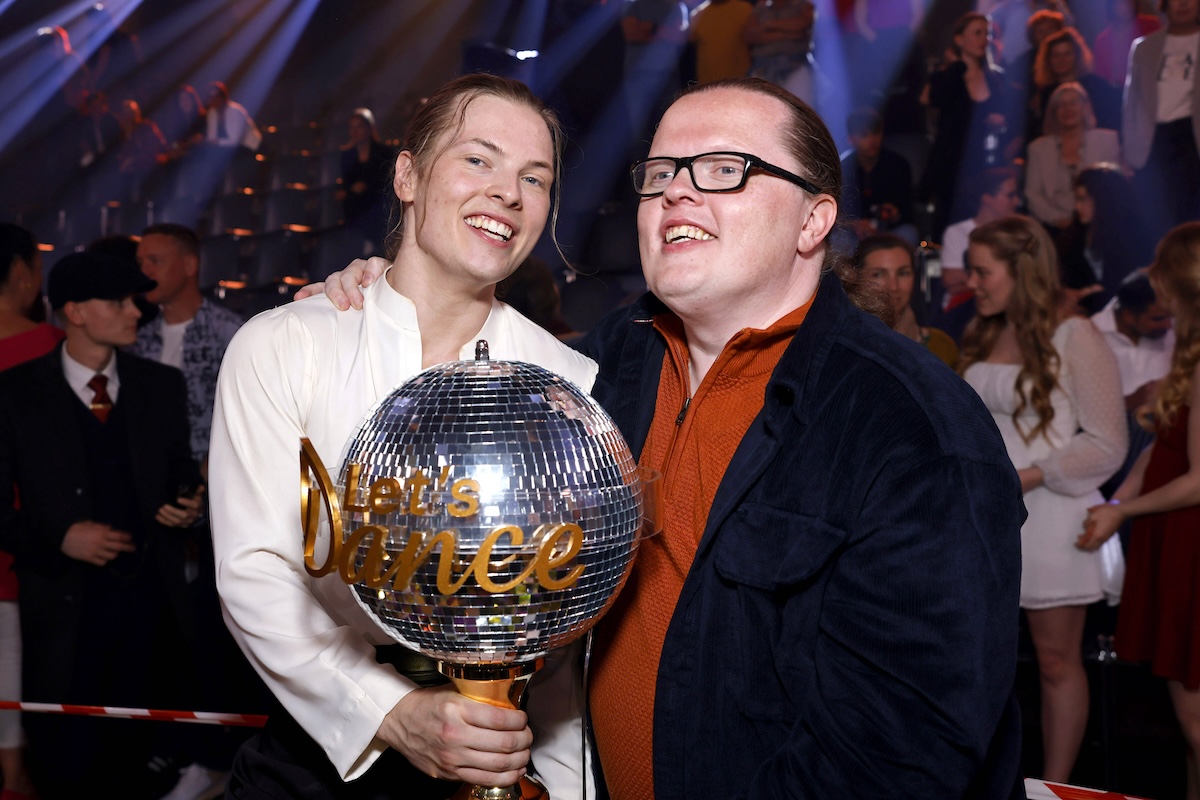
486	513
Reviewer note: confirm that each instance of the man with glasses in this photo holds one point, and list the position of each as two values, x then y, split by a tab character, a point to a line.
831	607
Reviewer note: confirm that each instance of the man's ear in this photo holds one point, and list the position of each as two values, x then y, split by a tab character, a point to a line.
191	265
71	313
404	184
822	215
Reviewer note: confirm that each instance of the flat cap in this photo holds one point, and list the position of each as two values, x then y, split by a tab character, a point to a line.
94	276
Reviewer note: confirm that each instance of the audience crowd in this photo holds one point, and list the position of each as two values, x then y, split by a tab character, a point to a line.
1007	189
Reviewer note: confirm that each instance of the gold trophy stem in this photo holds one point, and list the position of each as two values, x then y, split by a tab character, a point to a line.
497	685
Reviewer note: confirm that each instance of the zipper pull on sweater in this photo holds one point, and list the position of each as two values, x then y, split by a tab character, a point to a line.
683	411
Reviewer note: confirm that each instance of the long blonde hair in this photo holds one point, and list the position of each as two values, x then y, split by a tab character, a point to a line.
1175	274
1028	254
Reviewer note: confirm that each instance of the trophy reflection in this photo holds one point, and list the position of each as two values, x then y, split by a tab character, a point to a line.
485	513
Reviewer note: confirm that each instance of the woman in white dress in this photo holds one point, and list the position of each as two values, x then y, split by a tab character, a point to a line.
1053	388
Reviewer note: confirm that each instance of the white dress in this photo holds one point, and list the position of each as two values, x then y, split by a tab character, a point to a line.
1085	444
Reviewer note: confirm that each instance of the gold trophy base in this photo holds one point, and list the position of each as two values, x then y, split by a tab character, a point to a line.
497	685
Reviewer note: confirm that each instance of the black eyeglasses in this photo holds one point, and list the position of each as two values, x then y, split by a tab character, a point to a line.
711	172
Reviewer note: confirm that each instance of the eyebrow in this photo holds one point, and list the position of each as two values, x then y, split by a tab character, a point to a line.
488	144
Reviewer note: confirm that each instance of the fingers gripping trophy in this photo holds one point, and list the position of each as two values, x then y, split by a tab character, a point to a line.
485	513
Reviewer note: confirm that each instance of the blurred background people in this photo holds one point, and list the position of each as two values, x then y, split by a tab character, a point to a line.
143	148
655	32
24	333
228	123
1140	331
780	36
366	178
1107	239
94	444
23	336
532	290
716	31
1160	127
1012	19
1053	388
995	197
183	120
1063	58
1071	143
1158	617
968	97
877	188
1040	25
1138	328
887	261
191	333
1110	51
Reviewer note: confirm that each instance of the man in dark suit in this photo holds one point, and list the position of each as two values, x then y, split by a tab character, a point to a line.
94	448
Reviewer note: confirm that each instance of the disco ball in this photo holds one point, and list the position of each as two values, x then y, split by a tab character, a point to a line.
492	510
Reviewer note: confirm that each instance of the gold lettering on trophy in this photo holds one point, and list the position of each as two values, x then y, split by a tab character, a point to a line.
482	563
376	538
416	551
550	557
312	471
559	543
350	499
416	487
466	492
385	496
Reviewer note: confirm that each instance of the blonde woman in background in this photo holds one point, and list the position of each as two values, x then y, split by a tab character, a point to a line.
1071	144
1053	388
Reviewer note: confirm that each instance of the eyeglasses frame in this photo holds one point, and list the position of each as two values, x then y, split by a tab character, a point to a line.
752	162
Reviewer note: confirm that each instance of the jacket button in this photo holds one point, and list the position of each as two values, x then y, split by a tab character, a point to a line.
785	395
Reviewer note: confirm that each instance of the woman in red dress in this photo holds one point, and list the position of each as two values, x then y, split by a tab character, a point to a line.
21	338
1159	620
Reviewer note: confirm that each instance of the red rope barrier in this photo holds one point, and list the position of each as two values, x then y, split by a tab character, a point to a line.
202	717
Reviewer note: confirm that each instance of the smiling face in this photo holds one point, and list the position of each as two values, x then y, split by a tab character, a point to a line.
1069	108
474	213
741	259
892	271
990	278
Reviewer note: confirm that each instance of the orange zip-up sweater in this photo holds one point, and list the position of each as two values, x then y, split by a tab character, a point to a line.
691	442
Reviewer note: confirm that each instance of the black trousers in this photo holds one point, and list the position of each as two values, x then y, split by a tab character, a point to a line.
1168	186
282	762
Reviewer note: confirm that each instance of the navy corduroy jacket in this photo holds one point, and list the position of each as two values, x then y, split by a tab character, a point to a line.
849	625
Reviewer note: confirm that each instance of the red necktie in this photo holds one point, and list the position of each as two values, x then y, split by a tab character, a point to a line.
101	403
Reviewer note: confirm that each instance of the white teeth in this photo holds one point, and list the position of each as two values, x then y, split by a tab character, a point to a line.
491	226
678	233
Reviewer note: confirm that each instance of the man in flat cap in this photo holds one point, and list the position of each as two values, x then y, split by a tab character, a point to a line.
94	455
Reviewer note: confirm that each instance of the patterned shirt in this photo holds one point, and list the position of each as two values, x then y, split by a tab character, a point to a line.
204	344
